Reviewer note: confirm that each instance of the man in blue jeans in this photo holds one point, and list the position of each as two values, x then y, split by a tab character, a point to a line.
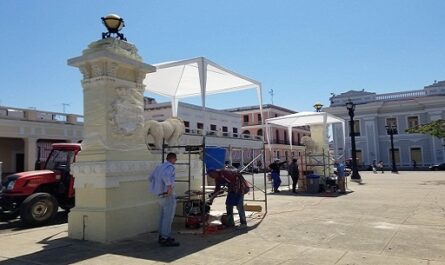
340	170
236	185
162	181
275	172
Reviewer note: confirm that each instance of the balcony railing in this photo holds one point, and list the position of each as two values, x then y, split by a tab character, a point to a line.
401	95
284	142
239	136
36	115
224	134
251	123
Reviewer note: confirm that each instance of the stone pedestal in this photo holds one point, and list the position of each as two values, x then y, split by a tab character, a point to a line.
111	171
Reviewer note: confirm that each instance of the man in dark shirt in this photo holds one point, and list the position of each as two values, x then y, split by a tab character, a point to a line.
275	172
235	197
294	174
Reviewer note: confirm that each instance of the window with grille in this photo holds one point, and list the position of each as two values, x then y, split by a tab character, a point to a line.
416	155
413	121
187	126
212	129
396	156
225	131
392	122
356	127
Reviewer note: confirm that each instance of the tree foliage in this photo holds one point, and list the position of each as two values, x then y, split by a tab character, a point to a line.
435	128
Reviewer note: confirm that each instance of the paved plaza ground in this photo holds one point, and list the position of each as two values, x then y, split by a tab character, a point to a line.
388	219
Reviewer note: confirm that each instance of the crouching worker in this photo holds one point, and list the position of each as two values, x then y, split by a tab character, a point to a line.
237	187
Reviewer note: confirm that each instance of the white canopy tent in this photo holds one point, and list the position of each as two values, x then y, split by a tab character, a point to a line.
304	119
196	77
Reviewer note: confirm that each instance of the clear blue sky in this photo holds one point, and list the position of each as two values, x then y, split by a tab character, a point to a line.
303	50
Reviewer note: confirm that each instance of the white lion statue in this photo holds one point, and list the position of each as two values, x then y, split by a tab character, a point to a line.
170	130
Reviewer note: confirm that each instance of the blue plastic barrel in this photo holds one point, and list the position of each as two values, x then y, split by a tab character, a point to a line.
313	183
214	158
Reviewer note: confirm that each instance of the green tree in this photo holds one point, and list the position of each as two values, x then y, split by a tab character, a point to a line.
435	128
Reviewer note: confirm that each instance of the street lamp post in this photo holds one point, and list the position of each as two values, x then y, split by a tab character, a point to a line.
351	107
318	106
391	130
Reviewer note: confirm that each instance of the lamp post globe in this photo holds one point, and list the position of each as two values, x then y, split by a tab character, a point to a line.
351	108
318	106
114	24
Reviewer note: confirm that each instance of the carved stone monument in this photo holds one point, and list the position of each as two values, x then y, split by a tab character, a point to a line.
111	172
320	152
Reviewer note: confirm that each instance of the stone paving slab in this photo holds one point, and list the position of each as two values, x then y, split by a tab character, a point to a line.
388	219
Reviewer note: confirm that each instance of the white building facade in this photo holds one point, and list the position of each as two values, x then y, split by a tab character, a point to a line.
402	109
26	136
221	128
279	145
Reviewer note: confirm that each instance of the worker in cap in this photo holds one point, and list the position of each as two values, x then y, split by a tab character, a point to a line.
275	172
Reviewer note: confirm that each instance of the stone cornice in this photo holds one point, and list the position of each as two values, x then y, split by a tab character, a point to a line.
113	45
113	58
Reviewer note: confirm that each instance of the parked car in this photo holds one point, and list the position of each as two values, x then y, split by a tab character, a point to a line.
438	167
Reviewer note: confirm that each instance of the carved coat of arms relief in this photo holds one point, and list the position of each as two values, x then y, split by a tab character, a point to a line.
126	115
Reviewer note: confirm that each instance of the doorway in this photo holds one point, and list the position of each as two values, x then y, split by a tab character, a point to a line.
416	155
19	162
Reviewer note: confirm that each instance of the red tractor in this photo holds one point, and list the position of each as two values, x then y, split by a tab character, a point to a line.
37	195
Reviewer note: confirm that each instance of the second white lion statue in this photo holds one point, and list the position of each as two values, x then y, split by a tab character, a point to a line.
170	130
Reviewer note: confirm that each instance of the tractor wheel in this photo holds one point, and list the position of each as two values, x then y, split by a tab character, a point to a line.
39	209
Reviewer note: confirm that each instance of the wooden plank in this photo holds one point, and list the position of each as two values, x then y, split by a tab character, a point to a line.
253	208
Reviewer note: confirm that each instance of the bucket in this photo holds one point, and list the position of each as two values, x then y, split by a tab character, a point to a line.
214	158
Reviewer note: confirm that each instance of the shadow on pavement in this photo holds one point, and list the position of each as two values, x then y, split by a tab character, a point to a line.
17	225
319	194
144	247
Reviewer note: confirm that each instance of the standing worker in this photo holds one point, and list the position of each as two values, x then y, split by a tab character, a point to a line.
341	178
162	181
380	166
294	174
275	172
374	166
237	187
